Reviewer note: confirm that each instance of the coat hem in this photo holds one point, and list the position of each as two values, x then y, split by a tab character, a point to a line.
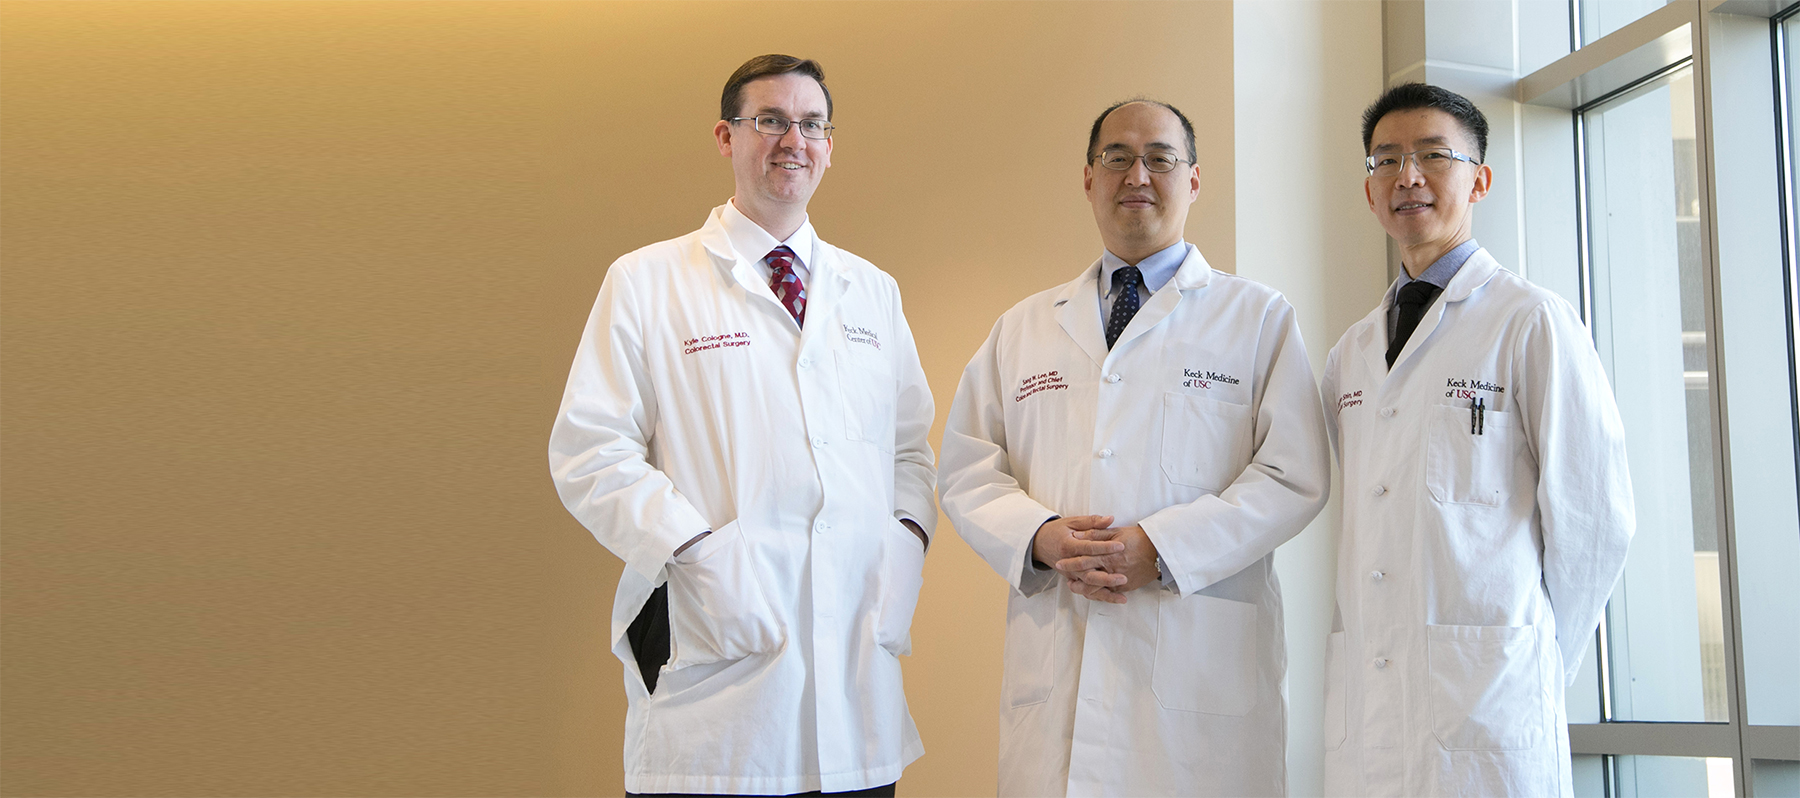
652	783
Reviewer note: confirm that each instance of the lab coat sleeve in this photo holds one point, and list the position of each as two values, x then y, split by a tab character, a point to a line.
983	500
1282	489
600	442
1584	499
915	475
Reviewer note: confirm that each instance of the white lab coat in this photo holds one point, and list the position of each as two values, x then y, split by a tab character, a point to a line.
1201	425
696	403
1472	569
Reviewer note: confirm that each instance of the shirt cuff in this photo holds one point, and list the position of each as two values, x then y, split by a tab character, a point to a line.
1167	579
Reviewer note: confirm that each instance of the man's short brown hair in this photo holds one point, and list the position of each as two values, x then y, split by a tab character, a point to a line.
762	66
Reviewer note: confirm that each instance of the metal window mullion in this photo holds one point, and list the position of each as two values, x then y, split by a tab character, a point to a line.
1725	514
1785	169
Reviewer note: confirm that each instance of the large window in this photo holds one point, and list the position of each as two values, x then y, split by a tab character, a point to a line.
1653	147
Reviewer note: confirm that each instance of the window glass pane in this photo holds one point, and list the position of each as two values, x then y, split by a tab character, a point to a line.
1775	778
1600	17
1657	776
1653	777
1649	322
1590	775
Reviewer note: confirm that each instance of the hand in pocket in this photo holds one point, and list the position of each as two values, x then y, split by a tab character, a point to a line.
717	609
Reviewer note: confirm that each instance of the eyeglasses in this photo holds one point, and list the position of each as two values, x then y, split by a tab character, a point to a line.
772	125
1121	160
1429	161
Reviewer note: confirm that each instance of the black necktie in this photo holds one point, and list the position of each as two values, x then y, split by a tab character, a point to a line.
1125	305
1413	299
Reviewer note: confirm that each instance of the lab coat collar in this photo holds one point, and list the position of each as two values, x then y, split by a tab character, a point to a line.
754	243
1081	319
1475	273
822	291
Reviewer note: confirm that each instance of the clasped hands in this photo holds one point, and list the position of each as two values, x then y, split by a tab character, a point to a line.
1094	560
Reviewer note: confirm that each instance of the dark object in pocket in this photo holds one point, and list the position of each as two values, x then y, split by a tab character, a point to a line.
649	636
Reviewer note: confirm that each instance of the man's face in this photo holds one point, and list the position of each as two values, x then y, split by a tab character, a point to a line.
779	170
1140	212
1415	207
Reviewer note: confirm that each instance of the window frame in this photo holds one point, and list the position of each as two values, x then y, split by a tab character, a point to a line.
1677	35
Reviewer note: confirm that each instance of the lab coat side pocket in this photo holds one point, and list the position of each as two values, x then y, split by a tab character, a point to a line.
717	608
869	386
1206	442
1028	671
1486	689
1462	467
902	575
1334	691
1207	649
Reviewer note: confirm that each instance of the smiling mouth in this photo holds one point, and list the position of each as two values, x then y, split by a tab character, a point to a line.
1411	206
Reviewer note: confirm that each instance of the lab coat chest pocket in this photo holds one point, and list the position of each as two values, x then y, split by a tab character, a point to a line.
1485	690
1206	442
902	575
867	381
717	608
1206	654
1462	467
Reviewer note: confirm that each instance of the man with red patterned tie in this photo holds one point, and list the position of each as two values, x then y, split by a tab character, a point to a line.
745	426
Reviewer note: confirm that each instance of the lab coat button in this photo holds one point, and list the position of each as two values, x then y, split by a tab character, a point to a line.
1376	575
1113	378
1380	489
1105	453
805	364
818	443
1387	412
1381	662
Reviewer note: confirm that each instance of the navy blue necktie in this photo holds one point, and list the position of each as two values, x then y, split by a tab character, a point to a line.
1125	304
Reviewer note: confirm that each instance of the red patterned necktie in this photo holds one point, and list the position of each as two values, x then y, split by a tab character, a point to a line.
786	284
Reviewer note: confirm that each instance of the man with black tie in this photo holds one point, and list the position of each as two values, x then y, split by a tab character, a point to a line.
1487	506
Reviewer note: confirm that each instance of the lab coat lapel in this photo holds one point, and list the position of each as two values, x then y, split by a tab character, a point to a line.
1193	274
1371	342
1473	274
825	287
1078	311
734	268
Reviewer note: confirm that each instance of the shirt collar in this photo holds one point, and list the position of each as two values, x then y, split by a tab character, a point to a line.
753	243
1157	269
1444	268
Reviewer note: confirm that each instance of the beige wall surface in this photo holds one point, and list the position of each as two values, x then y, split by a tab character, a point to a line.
1304	71
288	295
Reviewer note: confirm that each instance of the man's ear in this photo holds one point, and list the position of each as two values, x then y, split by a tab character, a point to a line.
1484	180
722	133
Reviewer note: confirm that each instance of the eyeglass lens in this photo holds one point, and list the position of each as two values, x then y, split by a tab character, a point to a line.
809	128
1121	160
1436	159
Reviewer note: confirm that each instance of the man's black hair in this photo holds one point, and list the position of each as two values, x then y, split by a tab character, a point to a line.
1187	127
731	100
1408	96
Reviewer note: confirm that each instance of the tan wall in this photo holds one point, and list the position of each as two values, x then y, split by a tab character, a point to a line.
289	293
